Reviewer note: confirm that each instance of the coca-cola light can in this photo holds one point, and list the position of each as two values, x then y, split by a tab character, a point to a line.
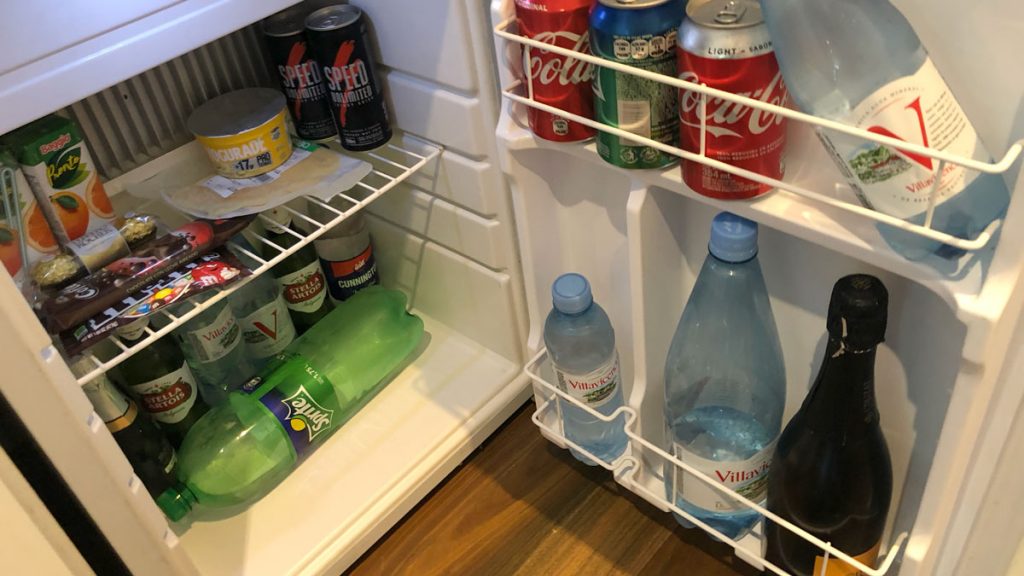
558	81
724	44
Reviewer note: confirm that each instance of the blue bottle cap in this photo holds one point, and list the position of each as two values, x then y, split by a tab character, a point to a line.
733	238
571	293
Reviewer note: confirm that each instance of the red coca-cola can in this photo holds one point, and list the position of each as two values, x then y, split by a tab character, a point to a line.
724	44
565	83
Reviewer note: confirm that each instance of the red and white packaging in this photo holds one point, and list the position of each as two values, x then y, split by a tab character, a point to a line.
565	83
730	50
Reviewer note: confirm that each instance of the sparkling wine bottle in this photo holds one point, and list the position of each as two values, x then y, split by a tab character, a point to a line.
831	474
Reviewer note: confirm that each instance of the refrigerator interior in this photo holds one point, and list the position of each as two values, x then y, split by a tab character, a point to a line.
476	237
444	235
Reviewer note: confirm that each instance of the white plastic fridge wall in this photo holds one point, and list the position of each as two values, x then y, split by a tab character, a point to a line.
946	399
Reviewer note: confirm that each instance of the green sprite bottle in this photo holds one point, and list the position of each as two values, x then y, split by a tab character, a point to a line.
240	450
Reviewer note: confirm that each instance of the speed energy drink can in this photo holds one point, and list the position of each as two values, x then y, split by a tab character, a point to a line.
340	43
642	34
301	79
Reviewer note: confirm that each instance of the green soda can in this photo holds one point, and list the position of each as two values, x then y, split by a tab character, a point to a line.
642	34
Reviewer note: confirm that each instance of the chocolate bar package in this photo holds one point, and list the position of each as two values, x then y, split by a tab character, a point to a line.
217	269
109	286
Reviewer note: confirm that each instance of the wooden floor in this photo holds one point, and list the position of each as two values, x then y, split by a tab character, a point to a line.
520	505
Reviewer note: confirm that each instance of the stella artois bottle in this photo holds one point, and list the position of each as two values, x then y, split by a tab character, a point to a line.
300	275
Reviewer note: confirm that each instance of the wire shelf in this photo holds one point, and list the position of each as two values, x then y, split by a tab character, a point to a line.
514	93
627	470
385	175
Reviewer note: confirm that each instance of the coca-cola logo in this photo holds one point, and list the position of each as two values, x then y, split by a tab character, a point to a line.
169	398
723	114
548	68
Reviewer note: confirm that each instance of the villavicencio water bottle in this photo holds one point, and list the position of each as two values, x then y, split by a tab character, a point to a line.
725	385
861	63
581	345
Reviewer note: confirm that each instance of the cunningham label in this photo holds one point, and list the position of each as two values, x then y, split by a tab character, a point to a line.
216	339
346	277
169	397
749	478
595	388
300	397
269	329
304	290
918	109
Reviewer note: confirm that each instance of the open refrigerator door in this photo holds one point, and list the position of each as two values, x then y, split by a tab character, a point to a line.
946	396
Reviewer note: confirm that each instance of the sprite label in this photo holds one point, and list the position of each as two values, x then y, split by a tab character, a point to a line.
643	107
302	400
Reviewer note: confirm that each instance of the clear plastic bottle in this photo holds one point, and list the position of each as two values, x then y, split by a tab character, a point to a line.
261	311
215	350
725	384
581	344
861	63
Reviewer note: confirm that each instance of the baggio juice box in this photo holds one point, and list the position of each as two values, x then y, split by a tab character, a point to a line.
63	177
23	222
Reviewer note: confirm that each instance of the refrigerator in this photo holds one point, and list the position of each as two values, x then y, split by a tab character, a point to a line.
473	218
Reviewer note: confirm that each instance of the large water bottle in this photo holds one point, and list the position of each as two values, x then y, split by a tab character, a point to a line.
725	385
240	450
581	344
860	62
215	349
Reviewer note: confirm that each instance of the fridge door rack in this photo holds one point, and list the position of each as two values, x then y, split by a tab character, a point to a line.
392	165
512	92
630	472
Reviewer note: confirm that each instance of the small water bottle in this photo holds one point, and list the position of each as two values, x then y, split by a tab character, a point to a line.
725	385
581	345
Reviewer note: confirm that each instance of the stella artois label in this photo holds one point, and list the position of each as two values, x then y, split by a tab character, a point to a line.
304	290
170	397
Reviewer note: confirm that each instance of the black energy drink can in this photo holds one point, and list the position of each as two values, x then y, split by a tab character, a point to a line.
338	38
301	78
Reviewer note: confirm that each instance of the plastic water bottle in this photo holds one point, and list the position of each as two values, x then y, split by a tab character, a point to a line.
240	450
581	344
215	350
861	63
262	313
725	385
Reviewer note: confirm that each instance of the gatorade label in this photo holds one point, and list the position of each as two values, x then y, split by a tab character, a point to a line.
346	277
302	400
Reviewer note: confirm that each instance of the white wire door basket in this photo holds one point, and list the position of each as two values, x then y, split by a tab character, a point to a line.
629	472
522	91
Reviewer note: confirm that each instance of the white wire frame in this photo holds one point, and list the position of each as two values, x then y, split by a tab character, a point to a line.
925	230
414	162
626	467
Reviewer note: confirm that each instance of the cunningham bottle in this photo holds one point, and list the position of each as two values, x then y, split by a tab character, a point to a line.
862	64
725	383
581	344
831	474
